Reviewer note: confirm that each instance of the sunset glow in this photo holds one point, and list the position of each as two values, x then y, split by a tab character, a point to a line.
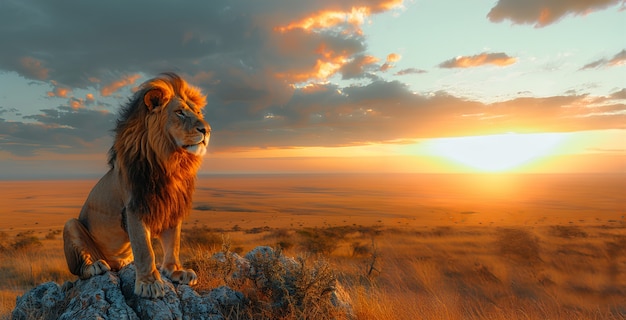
497	153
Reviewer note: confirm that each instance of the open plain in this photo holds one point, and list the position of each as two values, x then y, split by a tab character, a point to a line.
405	246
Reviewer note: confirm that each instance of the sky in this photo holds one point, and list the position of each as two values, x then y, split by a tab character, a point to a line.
324	86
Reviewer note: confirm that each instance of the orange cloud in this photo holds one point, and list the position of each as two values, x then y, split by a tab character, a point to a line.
329	18
391	58
499	59
118	84
77	104
34	68
326	65
355	17
60	92
326	61
322	70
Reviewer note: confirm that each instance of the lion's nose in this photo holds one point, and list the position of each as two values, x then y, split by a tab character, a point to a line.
203	129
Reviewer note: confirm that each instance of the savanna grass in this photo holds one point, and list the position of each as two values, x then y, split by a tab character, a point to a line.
552	272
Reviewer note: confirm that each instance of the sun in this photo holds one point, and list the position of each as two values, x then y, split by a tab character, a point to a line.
496	153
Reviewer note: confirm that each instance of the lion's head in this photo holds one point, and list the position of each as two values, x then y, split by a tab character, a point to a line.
164	116
176	107
160	138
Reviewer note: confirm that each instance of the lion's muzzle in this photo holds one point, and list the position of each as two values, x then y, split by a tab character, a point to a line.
201	142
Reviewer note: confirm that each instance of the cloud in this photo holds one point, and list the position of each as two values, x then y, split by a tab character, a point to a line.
389	63
618	60
350	14
359	67
621	94
32	68
543	13
409	71
62	130
118	84
59	91
498	59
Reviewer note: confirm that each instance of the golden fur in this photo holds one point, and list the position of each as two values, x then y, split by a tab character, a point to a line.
160	139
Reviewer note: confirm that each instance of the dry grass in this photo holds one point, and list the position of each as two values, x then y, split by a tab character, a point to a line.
553	272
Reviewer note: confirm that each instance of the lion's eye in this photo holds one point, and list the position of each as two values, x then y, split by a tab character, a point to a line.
180	114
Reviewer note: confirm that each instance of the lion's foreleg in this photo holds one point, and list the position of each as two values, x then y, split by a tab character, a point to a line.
148	283
83	257
171	267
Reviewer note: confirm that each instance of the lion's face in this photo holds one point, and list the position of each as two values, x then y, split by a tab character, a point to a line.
187	127
176	110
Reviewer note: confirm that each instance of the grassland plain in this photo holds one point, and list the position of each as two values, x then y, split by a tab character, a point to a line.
404	247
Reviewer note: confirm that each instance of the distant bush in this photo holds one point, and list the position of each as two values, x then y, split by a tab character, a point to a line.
256	230
201	237
282	238
323	241
26	240
567	232
52	234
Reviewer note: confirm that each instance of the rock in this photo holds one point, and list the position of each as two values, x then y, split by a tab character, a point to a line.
42	302
111	295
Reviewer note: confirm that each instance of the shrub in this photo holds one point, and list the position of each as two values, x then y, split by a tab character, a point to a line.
282	238
359	249
323	241
274	286
26	240
202	237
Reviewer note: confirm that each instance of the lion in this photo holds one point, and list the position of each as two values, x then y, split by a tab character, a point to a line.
160	139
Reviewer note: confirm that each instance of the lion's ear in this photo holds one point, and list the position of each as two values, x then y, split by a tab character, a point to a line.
154	99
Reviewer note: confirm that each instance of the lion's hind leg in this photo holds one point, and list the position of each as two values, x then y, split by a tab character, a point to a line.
83	257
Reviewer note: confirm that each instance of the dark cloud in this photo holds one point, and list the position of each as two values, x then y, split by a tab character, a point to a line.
543	13
78	44
498	59
617	60
359	67
60	130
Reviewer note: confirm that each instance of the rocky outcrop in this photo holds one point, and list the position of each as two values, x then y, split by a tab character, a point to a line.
110	296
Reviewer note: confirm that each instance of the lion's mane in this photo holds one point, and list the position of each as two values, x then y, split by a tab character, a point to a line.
159	176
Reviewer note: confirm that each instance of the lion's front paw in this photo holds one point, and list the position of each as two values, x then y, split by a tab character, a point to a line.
94	269
186	276
148	289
